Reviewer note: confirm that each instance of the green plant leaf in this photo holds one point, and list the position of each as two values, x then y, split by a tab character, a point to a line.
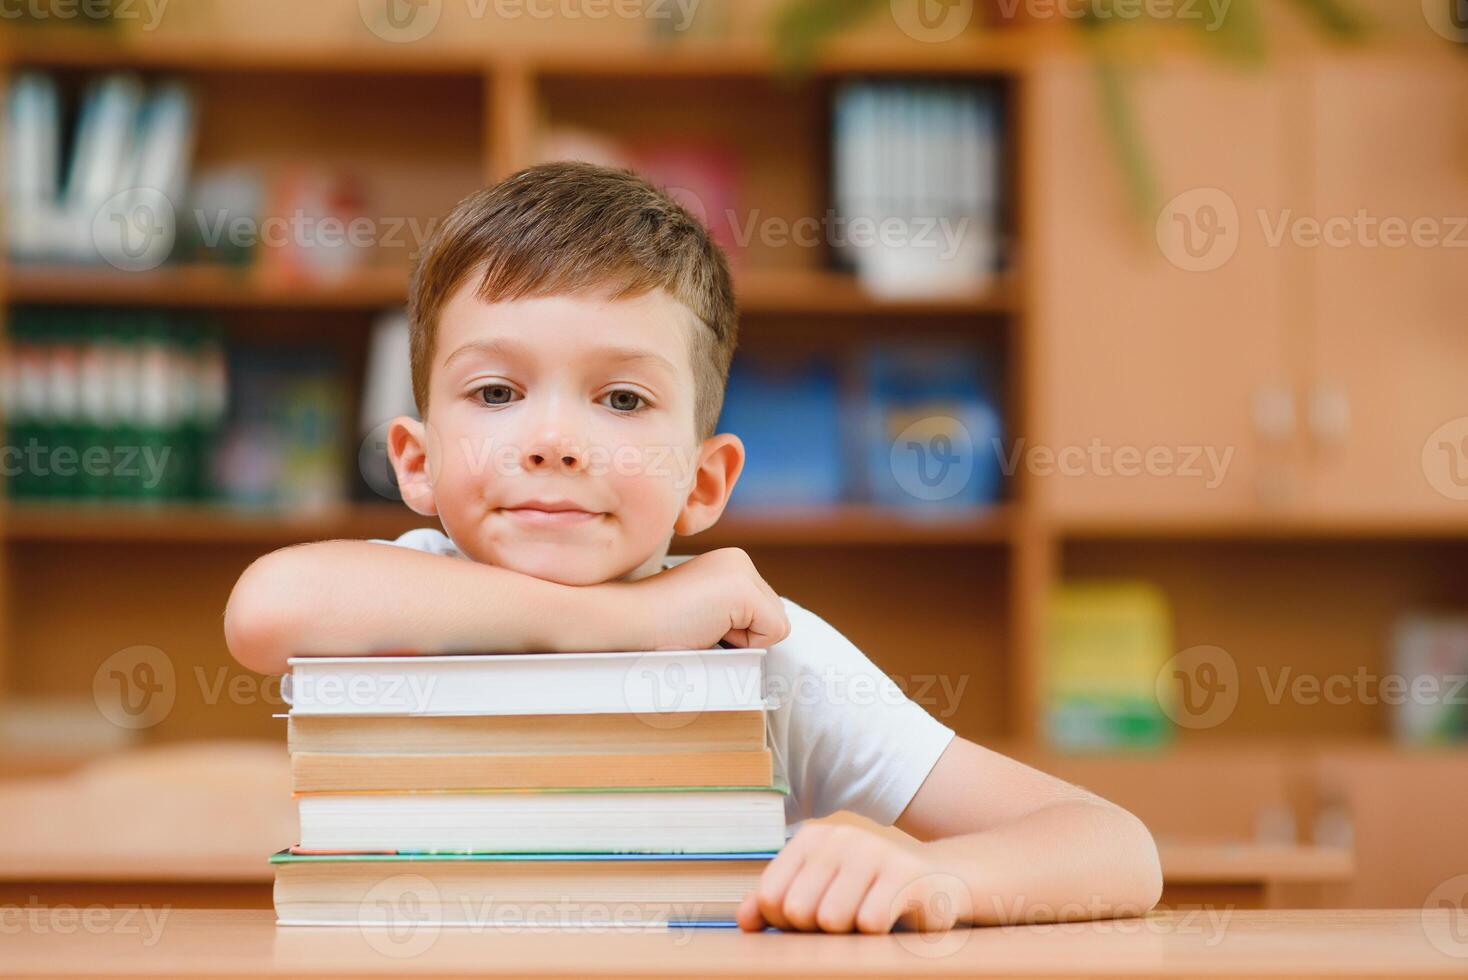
802	26
1336	18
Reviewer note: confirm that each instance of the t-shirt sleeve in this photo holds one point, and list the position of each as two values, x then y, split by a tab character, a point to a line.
428	539
844	734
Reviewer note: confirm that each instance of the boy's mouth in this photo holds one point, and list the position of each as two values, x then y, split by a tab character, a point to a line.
549	513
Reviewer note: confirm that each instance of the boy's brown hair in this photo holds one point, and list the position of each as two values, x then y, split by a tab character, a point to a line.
566	228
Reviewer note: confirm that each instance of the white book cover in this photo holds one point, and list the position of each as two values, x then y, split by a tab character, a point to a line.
32	165
664	682
640	821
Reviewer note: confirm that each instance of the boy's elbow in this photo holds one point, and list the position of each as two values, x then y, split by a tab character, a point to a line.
261	622
1145	888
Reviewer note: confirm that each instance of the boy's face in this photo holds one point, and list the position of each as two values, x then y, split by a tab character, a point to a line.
560	439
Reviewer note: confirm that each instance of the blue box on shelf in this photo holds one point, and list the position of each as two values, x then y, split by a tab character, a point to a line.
930	427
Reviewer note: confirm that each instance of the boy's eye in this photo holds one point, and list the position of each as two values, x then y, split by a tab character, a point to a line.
623	400
498	394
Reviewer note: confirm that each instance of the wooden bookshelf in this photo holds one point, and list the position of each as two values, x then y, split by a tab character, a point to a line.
202	286
1261	527
1094	335
176	524
811	292
747	58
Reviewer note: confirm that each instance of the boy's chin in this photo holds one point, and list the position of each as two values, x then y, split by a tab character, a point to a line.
564	565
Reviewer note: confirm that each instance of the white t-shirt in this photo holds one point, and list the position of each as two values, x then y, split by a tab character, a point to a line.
841	731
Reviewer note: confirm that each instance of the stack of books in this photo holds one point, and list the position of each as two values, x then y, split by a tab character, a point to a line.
622	789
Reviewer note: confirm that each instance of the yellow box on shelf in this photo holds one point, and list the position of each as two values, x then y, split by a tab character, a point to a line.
1108	644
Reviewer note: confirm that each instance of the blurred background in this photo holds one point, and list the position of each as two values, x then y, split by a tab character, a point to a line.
1104	372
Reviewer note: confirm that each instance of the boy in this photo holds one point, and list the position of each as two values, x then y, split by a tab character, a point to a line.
572	329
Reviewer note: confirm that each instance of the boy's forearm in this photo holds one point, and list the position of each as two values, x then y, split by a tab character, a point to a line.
1078	859
358	597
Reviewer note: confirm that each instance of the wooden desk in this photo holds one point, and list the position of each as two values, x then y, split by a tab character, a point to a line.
221	943
1250	876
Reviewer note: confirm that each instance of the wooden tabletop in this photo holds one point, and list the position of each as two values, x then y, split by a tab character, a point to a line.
163	942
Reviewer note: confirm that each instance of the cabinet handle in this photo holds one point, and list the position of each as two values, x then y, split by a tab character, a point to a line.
1330	415
1274	413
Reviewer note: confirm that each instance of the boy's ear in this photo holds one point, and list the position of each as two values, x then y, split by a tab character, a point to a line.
720	460
407	447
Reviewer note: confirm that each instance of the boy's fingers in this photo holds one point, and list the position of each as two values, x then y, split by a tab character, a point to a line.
928	907
770	892
878	909
838	908
771	625
804	895
748	915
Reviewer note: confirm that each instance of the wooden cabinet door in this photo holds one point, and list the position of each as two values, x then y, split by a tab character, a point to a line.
1387	394
1157	334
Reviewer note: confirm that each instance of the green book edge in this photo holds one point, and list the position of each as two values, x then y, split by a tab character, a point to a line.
286	857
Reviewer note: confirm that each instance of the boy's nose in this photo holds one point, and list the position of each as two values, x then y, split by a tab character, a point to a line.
554	454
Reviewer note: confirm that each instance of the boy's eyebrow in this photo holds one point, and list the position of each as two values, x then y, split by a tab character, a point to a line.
510	350
629	355
507	349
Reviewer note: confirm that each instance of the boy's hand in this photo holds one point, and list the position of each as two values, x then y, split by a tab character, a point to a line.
715	596
837	878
